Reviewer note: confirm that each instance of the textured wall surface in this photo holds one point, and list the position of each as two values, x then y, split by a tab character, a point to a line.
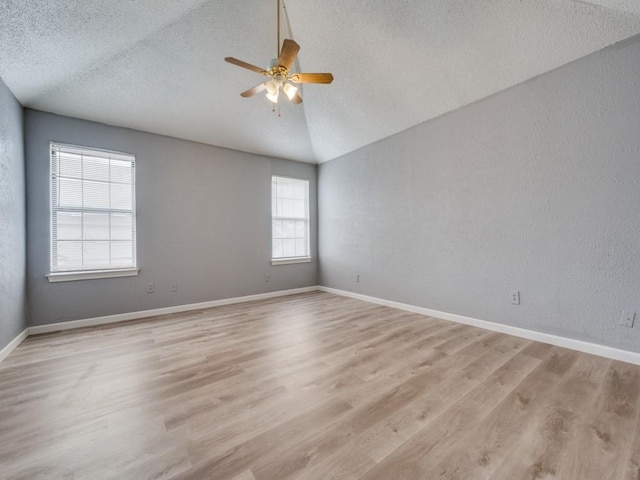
13	317
203	218
535	189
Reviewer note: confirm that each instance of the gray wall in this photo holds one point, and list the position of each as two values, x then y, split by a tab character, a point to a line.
534	189
203	221
13	316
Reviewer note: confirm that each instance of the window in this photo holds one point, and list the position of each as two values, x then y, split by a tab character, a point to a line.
289	220
93	214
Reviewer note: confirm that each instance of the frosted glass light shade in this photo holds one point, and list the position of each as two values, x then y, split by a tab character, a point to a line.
290	90
273	96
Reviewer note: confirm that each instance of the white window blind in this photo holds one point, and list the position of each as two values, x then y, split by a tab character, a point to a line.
93	214
290	218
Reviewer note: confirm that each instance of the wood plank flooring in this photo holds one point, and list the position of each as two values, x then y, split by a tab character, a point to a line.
312	386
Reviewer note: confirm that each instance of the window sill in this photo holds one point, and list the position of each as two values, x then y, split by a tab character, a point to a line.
288	261
93	274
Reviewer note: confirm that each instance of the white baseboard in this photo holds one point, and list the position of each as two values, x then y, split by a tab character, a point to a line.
4	353
579	345
123	317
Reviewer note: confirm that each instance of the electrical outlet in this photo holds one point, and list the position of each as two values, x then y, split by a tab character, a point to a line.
151	287
515	297
357	278
267	277
627	319
173	286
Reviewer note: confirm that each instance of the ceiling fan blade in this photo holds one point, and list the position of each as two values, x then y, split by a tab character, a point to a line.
252	91
246	65
312	78
296	99
288	53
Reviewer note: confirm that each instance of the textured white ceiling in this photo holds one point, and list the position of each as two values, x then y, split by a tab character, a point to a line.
622	5
157	65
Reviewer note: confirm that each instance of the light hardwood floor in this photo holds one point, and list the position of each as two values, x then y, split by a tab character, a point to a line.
312	386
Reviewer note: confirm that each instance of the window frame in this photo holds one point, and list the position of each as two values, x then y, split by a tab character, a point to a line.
307	219
111	272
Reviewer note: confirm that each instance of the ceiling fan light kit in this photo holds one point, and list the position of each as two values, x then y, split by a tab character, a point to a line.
279	73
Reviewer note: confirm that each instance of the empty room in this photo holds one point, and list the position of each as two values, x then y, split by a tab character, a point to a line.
287	239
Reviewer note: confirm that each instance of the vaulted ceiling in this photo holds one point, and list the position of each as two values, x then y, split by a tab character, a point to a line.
158	65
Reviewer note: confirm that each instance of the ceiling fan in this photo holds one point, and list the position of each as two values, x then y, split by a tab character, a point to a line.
279	72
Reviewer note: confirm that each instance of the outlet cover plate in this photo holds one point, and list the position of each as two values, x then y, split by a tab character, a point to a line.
627	319
515	297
